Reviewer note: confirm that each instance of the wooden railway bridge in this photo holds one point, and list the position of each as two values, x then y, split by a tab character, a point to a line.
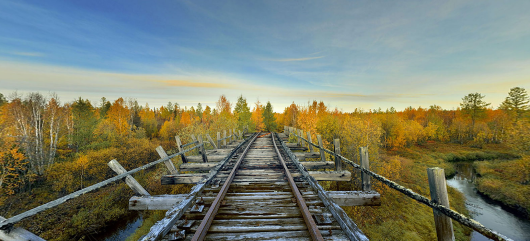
254	187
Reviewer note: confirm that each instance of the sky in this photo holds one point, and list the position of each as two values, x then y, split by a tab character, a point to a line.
349	54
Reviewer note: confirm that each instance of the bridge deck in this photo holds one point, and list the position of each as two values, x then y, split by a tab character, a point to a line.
259	204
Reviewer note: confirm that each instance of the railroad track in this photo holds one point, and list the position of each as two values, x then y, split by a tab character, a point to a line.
255	197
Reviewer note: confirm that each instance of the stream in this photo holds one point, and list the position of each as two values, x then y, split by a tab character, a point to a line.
485	210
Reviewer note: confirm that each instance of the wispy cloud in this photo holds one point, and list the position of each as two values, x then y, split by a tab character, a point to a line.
29	54
294	59
195	84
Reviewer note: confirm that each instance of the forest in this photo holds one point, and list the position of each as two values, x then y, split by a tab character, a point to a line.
49	149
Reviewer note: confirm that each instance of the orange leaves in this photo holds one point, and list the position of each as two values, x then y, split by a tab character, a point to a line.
257	117
118	115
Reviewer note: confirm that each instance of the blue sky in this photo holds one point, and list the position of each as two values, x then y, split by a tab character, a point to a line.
349	54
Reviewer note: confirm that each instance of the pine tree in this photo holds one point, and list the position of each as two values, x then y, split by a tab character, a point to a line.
243	112
268	117
474	106
516	103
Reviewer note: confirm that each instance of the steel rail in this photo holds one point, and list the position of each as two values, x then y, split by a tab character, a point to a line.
200	234
311	225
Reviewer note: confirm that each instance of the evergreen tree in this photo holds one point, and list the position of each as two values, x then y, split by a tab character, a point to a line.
268	118
2	99
243	112
474	106
516	103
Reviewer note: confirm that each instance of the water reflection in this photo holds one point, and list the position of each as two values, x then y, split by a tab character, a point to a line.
486	211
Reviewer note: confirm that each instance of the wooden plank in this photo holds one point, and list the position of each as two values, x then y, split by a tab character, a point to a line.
224	138
365	164
438	189
315	165
203	150
321	147
328	175
168	162
309	142
201	166
342	198
182	179
179	146
18	234
199	159
355	198
133	184
211	141
219	140
338	161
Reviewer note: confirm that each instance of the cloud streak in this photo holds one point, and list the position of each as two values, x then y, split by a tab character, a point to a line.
294	59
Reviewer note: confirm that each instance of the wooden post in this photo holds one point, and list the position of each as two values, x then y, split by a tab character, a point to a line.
211	141
286	131
133	184
321	147
179	145
230	136
365	164
438	189
219	140
235	134
203	150
240	135
224	138
338	161
168	162
310	142
299	132
194	139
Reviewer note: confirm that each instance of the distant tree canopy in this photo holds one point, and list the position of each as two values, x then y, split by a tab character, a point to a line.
516	104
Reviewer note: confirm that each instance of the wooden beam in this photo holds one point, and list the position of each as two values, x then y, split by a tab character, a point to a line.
309	141
438	189
338	161
212	158
168	162
191	178
166	202
315	165
224	138
321	147
365	164
179	146
211	141
18	234
219	140
355	198
133	184
201	166
203	150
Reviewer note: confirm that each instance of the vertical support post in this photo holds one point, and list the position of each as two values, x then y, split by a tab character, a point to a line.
219	140
224	138
284	129
310	142
203	150
338	161
133	184
230	136
194	139
235	134
168	162
321	147
240	135
438	189
365	164
299	132
211	141
179	145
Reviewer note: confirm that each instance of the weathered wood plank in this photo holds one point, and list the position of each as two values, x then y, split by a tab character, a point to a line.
169	164
18	234
195	178
438	189
179	146
133	184
315	165
309	142
285	236
338	161
321	147
365	164
211	141
200	166
355	198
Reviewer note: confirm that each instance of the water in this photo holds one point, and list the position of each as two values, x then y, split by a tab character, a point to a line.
121	230
486	211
